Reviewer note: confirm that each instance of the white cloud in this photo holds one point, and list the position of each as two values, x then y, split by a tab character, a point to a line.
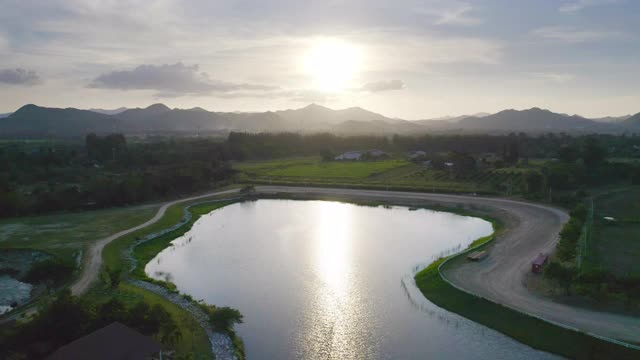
571	35
575	6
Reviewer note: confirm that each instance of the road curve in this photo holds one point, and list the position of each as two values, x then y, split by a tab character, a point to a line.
530	229
93	259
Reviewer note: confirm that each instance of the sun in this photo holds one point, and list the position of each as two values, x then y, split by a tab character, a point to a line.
332	64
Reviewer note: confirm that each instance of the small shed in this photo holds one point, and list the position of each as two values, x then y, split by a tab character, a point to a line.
538	263
113	342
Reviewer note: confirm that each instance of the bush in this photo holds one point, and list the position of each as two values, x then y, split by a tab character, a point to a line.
54	271
222	318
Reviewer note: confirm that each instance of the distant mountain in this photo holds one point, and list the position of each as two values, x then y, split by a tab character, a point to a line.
2	116
319	117
452	118
632	121
611	119
378	127
109	112
32	120
534	119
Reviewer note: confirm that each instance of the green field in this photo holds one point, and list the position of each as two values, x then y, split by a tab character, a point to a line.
389	174
616	247
315	168
65	234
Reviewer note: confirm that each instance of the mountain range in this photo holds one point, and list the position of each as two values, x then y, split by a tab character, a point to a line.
31	120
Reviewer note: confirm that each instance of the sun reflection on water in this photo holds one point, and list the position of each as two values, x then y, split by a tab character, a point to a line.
335	327
332	246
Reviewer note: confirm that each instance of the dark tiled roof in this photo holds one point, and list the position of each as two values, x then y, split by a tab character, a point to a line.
113	342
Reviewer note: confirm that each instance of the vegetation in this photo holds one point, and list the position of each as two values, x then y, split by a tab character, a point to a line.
546	167
614	246
592	273
66	235
74	317
53	271
104	172
314	167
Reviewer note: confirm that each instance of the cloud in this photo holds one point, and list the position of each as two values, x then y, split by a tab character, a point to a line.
575	6
558	78
384	85
572	35
459	14
19	76
170	80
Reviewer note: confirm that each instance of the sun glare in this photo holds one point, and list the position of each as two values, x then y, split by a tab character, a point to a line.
332	64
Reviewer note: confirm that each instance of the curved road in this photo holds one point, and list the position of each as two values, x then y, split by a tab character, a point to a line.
93	260
530	229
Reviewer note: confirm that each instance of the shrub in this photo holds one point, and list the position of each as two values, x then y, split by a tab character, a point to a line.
54	271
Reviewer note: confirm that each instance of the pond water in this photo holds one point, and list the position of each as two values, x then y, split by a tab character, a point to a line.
328	280
13	291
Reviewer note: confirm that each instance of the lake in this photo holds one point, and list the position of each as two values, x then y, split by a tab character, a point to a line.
329	280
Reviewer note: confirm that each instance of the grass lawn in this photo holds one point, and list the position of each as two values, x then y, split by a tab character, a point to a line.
314	167
388	174
616	247
65	234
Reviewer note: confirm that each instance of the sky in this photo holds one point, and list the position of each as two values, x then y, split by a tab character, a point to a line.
401	58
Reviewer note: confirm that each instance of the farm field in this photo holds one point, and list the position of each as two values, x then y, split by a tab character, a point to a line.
314	167
397	174
64	235
616	247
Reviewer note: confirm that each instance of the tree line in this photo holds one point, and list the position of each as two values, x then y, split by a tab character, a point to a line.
111	170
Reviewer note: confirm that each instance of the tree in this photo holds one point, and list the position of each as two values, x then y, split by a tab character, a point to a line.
115	276
327	154
533	181
593	154
223	318
568	154
112	310
563	275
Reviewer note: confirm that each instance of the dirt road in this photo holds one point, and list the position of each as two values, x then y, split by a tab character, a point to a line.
93	259
530	229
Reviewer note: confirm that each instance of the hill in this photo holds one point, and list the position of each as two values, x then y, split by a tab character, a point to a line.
32	120
317	117
633	121
533	120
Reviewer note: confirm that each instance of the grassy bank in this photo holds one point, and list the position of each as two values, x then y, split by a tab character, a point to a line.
194	341
524	328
